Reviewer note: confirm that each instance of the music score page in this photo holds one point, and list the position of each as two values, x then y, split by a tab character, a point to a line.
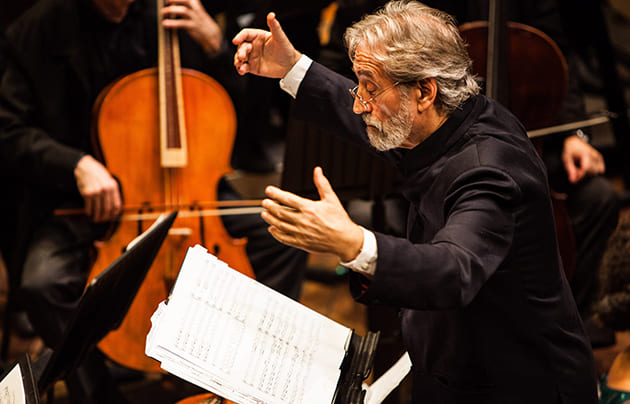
11	387
237	338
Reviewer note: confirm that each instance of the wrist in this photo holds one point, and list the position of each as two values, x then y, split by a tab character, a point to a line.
353	246
292	79
213	49
297	55
214	45
290	65
365	261
212	42
80	164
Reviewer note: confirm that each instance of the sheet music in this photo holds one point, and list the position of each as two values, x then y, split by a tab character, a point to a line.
244	341
11	387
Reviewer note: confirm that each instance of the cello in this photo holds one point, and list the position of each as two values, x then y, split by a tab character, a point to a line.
525	70
166	134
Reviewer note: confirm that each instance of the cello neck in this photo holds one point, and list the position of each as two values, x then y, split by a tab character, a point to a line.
173	145
498	51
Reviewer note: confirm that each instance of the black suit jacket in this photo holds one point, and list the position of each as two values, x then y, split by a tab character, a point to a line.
487	314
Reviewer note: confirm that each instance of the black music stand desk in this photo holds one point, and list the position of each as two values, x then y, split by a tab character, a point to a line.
105	303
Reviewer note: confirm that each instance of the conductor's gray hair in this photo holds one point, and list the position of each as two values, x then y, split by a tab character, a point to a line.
412	42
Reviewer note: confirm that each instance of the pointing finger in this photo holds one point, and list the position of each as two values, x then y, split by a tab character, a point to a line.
248	35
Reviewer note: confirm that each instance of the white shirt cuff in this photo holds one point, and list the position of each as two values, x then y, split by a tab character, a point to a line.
365	262
292	80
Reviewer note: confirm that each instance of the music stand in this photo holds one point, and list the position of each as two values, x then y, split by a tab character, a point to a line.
105	303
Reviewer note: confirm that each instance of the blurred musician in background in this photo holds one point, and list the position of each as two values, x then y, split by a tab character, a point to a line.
68	51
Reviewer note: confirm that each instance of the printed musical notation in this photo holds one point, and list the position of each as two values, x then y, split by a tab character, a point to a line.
11	388
242	340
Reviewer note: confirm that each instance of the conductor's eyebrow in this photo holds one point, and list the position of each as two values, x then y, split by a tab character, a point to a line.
363	73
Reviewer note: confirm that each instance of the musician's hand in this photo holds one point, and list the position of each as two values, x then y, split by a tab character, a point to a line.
581	159
263	53
316	226
192	16
98	188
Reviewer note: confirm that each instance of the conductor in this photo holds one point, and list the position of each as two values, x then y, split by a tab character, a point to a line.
487	314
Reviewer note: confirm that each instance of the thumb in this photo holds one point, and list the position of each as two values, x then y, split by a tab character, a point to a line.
324	189
275	28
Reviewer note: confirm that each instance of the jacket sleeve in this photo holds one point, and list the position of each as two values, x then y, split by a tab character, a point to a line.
323	99
449	269
26	149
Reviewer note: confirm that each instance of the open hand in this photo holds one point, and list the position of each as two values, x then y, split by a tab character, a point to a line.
316	226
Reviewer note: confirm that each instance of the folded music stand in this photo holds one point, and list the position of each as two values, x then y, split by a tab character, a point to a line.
105	303
356	367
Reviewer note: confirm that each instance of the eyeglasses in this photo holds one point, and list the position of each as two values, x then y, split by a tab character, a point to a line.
355	94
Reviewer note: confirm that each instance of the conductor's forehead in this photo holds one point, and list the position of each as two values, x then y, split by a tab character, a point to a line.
366	65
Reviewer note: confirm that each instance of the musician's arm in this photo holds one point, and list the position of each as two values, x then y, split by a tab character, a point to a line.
27	149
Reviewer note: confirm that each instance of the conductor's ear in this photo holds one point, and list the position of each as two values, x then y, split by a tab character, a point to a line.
426	92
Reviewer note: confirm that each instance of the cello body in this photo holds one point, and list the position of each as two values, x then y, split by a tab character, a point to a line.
532	84
127	130
536	76
166	134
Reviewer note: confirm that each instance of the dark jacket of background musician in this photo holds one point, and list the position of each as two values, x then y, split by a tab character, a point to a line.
67	60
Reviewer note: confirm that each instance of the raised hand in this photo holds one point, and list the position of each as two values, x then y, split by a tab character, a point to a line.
265	53
316	226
